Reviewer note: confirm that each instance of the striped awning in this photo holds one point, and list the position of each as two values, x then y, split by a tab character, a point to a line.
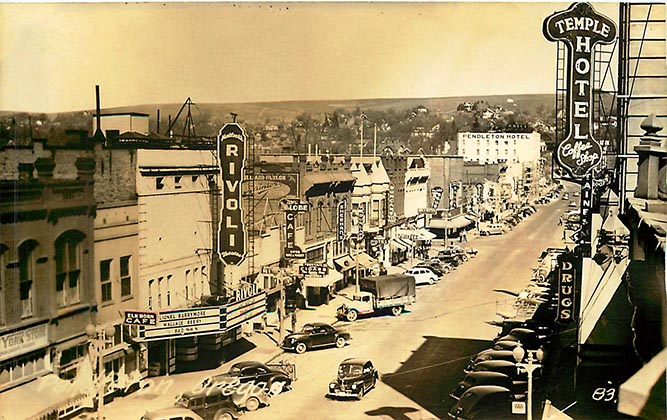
456	222
324	281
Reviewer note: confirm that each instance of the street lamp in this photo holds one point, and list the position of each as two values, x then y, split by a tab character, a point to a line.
530	365
98	341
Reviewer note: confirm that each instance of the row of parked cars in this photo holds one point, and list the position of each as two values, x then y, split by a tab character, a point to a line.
431	270
493	380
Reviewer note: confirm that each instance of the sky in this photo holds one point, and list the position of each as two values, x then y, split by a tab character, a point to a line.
53	55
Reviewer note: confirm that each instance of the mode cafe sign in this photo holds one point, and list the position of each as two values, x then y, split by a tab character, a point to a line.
580	28
231	158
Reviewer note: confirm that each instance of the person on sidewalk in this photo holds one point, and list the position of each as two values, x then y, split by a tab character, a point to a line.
294	321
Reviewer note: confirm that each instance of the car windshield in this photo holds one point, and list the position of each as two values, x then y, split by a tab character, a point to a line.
234	371
349	370
307	328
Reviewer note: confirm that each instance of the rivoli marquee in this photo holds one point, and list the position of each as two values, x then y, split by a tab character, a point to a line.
580	28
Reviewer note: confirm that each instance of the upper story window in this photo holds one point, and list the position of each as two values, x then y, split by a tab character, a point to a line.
125	276
105	280
68	268
27	251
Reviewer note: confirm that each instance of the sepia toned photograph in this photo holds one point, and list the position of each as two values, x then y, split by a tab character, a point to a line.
333	210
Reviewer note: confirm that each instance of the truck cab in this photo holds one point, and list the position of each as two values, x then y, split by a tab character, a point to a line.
360	303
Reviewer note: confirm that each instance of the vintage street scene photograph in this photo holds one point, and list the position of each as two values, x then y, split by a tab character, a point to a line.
333	210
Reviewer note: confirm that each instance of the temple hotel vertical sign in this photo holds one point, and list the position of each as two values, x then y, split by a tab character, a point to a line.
580	28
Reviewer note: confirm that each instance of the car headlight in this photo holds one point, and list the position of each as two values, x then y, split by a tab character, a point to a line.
354	386
332	385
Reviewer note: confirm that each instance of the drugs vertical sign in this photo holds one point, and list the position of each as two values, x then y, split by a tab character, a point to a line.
231	158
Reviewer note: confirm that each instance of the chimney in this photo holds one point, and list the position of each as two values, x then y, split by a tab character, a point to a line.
85	168
45	167
26	171
652	159
99	135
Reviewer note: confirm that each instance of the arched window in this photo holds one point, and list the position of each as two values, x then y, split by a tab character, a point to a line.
27	276
68	267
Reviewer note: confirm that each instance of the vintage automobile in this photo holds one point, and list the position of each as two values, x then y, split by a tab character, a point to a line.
489	354
223	403
492	229
272	379
172	413
355	378
422	275
482	378
315	335
484	402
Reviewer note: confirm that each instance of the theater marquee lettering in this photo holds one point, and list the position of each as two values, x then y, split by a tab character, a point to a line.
580	28
231	158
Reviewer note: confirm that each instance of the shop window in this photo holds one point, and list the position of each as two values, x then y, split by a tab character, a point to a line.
27	251
169	291
68	268
125	277
105	280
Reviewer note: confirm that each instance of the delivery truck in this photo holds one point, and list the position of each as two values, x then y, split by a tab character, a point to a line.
379	294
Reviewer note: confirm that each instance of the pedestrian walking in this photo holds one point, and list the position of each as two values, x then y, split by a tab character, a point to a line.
294	321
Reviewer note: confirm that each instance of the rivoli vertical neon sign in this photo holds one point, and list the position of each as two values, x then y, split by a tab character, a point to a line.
231	157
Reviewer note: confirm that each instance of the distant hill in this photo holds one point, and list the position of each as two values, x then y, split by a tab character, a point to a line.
258	112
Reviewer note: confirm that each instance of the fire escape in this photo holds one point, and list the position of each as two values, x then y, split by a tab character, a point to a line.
642	81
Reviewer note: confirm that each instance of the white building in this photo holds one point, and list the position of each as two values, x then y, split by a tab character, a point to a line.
499	147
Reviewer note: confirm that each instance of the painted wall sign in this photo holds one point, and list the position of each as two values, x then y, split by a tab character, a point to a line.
231	158
341	232
580	27
567	267
24	341
292	207
273	185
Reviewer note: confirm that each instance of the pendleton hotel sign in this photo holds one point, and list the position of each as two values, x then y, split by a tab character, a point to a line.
580	27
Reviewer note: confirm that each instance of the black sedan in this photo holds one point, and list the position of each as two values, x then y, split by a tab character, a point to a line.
315	335
269	377
355	378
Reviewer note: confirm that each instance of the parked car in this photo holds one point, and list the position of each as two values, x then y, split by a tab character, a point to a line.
221	403
448	257
436	266
484	402
315	335
355	378
422	275
492	229
489	354
529	338
481	378
172	413
258	373
503	366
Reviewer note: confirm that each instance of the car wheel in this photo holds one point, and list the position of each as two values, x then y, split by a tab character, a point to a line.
252	404
340	342
446	269
223	415
301	348
352	315
465	257
277	387
431	281
396	310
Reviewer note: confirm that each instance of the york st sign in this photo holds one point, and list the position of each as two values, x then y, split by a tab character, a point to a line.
580	28
231	157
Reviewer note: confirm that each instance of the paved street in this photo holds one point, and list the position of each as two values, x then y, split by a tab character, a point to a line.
420	355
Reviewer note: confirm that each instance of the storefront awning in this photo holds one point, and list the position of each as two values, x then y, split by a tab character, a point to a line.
324	281
40	397
643	395
344	263
597	291
365	260
456	222
415	234
399	244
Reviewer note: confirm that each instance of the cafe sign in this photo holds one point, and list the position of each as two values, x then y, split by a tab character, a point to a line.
580	28
231	158
292	207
